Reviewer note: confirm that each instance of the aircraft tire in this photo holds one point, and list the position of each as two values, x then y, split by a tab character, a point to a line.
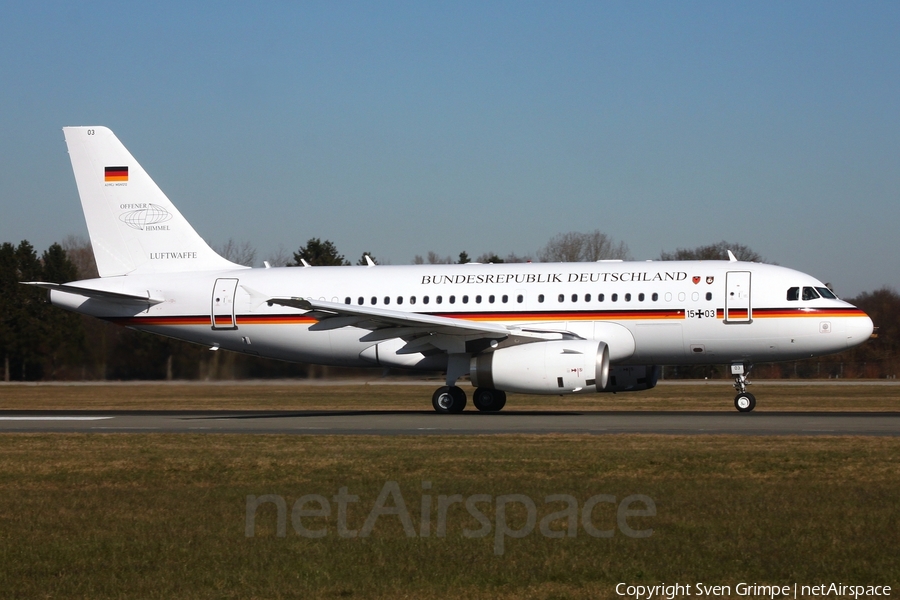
745	402
487	400
449	399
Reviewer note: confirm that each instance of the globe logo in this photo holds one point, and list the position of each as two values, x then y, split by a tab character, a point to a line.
142	217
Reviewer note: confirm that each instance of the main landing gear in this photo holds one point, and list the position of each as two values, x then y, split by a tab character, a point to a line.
744	401
452	399
487	400
449	399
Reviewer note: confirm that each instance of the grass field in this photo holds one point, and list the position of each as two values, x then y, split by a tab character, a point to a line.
162	516
713	395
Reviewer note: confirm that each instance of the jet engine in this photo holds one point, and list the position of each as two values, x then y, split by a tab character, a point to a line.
551	367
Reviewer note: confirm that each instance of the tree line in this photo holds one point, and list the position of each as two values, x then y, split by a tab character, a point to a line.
41	342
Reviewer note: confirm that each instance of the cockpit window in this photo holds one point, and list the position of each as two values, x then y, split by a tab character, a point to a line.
793	293
826	293
810	293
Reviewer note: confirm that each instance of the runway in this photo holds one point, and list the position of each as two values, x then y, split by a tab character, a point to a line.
392	422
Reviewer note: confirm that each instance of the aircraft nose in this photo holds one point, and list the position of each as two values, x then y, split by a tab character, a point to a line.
859	329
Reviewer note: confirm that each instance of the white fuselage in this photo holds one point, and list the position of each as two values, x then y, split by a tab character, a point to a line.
673	313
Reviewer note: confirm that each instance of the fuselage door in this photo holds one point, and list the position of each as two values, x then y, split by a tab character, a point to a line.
737	297
223	304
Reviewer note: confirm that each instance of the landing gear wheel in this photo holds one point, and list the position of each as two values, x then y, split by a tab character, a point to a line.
449	399
745	402
487	400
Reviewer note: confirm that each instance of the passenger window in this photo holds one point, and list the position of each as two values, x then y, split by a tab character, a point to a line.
540	297
793	293
399	299
452	299
709	295
477	299
425	300
387	300
374	300
587	297
600	297
520	298
654	297
640	297
810	294
465	299
560	297
614	297
360	300
574	297
505	298
412	299
439	299
491	298
347	300
627	297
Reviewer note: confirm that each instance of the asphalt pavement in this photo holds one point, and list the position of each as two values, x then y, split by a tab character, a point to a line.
399	422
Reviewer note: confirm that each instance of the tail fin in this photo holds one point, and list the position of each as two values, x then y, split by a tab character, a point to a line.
133	225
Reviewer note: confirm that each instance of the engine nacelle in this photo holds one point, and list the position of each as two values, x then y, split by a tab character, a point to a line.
551	367
632	378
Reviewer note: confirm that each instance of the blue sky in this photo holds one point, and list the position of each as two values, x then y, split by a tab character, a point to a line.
400	128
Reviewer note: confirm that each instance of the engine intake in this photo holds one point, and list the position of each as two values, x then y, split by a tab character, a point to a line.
552	367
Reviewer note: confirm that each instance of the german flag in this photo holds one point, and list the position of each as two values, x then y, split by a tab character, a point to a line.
116	173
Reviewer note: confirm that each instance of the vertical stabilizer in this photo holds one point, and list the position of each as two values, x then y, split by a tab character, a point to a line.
133	225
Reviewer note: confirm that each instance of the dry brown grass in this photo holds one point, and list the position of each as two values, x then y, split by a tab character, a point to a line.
300	395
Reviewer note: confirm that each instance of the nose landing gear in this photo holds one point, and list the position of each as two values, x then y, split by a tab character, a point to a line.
744	401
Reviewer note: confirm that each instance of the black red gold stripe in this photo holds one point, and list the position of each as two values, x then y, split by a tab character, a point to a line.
817	313
115	174
520	317
221	321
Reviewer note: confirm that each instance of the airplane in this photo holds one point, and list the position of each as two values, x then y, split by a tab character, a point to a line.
535	328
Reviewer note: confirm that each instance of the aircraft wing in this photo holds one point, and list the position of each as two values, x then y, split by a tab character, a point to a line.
418	330
92	293
378	318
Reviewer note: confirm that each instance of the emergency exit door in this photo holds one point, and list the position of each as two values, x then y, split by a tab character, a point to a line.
223	304
737	297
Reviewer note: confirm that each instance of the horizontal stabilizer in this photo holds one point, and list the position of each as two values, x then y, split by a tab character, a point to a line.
92	293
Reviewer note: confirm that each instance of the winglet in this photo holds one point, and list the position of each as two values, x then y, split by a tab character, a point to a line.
731	257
